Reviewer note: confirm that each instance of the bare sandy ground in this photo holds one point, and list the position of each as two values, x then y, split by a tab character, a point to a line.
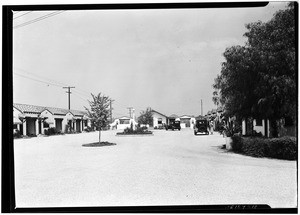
168	168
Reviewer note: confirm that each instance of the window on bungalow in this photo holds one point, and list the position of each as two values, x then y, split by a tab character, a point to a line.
159	121
15	126
46	125
258	122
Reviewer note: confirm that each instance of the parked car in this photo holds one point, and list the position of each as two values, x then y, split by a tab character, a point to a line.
173	126
201	126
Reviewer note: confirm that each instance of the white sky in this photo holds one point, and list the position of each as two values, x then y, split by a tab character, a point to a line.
163	59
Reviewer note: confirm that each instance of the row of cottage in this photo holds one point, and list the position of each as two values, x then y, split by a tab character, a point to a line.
260	126
159	120
263	126
32	120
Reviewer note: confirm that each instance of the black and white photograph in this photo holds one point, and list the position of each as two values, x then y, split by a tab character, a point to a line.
153	105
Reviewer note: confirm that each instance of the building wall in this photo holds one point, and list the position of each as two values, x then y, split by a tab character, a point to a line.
33	123
156	116
259	128
186	121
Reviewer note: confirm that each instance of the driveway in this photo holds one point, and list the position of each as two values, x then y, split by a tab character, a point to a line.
168	168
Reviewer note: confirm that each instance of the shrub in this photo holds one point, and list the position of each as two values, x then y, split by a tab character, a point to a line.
17	134
144	127
51	131
138	130
280	148
237	143
88	129
255	147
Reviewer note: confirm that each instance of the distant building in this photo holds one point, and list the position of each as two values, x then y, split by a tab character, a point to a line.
159	119
32	120
123	122
187	121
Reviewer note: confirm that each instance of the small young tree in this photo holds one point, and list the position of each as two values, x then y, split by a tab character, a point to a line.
146	117
99	112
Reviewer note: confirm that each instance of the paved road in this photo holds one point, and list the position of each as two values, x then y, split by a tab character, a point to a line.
168	168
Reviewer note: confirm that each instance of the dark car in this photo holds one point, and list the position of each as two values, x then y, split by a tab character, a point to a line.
173	126
201	126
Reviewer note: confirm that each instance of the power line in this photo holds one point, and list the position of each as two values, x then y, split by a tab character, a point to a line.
22	15
38	19
80	96
37	80
52	82
41	77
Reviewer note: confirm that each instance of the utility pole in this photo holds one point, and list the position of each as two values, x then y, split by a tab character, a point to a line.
110	109
69	92
201	108
130	109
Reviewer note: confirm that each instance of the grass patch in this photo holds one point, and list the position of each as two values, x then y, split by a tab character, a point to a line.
97	144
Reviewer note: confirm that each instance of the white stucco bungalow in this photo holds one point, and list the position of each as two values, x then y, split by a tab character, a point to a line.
259	125
123	122
33	120
187	121
159	119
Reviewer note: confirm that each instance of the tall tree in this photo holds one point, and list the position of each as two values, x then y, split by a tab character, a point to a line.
146	117
99	112
274	44
259	79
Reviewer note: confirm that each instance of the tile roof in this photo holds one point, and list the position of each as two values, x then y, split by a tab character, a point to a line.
185	116
173	116
25	108
29	108
158	113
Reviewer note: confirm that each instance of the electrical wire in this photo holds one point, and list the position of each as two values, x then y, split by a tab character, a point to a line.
58	84
37	80
40	77
38	19
79	96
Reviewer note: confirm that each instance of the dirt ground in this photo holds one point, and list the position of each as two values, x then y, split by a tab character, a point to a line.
168	168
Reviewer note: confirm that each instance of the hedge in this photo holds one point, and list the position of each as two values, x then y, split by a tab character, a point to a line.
51	131
280	148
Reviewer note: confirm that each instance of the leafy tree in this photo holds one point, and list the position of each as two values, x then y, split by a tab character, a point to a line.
259	79
146	117
274	43
99	112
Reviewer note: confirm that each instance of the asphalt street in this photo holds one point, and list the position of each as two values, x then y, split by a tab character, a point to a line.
168	168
